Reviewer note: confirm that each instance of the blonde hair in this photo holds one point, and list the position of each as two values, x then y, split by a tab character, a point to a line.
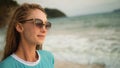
13	37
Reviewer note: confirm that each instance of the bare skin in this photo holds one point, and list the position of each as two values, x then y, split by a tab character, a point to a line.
30	37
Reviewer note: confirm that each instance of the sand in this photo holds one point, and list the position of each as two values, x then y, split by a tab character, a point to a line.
67	64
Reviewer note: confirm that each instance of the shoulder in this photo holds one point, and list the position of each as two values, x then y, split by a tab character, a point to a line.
46	55
7	63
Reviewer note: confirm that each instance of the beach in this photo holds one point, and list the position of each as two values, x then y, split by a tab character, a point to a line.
68	64
91	41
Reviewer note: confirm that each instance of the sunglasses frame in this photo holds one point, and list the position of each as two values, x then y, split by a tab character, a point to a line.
40	25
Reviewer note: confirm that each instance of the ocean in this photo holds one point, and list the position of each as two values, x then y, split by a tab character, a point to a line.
84	39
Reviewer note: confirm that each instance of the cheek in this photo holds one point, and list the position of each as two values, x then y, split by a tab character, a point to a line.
29	34
29	30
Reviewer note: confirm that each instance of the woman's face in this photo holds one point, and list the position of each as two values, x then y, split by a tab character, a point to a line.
32	33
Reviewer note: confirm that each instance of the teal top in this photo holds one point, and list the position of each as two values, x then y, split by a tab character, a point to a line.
45	60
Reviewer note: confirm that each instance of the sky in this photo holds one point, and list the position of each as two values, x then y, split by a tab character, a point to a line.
78	7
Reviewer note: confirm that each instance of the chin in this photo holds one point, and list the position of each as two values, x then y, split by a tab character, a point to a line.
40	42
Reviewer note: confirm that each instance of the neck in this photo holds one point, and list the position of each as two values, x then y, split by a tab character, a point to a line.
27	52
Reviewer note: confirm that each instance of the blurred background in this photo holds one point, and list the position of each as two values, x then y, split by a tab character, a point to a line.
83	31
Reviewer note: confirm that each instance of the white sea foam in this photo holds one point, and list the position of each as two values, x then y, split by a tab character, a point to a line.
83	50
86	40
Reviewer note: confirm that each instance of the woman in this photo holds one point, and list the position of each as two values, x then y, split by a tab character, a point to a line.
26	32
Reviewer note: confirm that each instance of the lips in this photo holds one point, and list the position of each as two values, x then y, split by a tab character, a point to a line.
41	35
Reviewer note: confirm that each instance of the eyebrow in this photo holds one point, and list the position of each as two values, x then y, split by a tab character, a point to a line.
33	19
41	20
27	20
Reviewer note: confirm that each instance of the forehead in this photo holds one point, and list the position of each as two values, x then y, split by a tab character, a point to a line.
36	13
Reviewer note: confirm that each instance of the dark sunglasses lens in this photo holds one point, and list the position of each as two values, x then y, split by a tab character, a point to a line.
40	24
48	25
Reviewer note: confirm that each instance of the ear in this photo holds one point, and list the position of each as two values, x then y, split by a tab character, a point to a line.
19	27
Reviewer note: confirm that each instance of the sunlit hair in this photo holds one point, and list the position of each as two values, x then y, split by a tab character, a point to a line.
13	37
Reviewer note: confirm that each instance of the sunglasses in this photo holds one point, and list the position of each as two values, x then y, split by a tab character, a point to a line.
39	23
